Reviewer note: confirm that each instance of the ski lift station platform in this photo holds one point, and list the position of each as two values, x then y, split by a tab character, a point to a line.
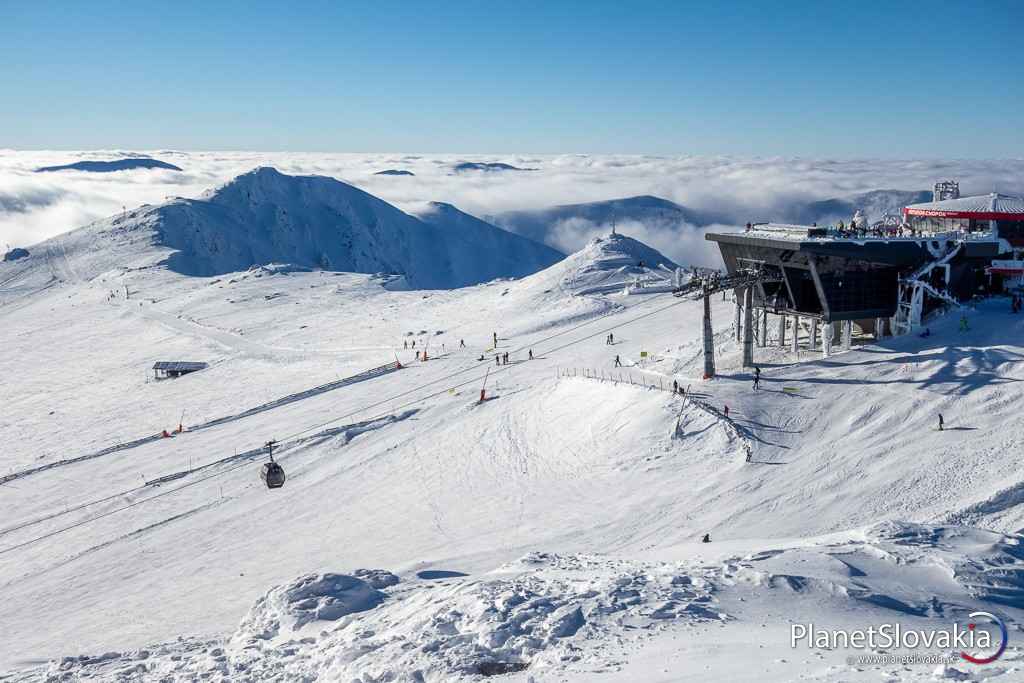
165	369
883	278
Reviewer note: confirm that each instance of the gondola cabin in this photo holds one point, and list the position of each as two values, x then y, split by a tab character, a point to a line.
272	475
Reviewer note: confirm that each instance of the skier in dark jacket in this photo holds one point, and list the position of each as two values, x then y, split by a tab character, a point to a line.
618	363
940	422
757	377
706	538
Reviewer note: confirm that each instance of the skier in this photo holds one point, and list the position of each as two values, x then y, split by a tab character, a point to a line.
727	411
462	343
611	338
531	354
497	359
675	386
481	357
414	343
506	358
706	538
940	422
757	377
618	363
495	335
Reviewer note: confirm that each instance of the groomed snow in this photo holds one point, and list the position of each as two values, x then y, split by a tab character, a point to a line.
549	532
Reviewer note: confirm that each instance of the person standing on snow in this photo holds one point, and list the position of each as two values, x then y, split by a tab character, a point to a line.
497	359
495	335
531	354
462	343
757	377
675	386
618	363
940	422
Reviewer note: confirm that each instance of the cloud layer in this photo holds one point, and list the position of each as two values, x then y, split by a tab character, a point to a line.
35	206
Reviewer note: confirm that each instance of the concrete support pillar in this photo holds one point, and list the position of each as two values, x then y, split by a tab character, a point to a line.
813	341
879	329
737	325
748	327
709	340
782	331
796	334
763	341
847	335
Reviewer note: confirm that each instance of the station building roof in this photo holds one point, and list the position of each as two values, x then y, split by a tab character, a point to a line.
993	206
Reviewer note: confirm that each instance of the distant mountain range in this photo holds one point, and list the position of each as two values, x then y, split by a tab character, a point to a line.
110	166
489	167
874	205
650	211
657	213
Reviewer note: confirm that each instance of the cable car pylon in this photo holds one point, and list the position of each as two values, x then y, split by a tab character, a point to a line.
708	282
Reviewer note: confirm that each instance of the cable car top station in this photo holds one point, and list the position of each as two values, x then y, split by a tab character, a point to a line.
882	278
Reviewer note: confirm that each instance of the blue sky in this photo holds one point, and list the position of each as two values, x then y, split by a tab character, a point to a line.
827	79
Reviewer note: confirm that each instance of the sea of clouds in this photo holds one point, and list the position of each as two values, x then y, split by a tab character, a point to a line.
35	206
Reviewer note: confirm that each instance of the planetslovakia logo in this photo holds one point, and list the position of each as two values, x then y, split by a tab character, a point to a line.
1004	637
983	641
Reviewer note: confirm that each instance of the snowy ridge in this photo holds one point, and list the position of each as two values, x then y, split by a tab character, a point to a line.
265	217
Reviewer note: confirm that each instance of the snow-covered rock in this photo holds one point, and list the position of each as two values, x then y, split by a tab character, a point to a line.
313	597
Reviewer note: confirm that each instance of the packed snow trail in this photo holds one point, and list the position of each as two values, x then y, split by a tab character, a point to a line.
235	461
270	405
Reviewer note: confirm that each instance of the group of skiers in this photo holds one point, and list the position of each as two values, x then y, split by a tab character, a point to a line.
610	339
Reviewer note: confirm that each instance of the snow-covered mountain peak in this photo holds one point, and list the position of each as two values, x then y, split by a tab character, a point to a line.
607	264
265	216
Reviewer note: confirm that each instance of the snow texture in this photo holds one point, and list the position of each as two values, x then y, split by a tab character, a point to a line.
549	532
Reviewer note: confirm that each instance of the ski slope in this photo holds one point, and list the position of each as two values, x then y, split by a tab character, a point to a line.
547	533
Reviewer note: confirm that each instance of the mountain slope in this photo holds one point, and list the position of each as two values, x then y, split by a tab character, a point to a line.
264	217
472	238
